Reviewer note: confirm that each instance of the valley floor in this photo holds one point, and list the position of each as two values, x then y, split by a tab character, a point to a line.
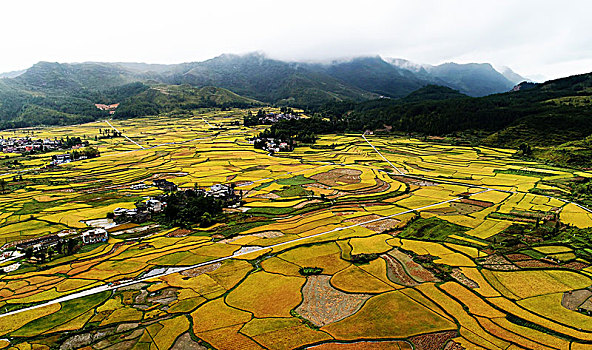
357	241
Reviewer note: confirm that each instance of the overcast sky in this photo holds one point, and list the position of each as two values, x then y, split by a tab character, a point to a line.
533	37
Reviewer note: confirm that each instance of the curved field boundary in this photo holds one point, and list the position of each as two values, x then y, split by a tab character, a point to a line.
168	271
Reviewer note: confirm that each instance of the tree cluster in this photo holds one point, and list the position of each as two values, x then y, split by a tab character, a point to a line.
189	207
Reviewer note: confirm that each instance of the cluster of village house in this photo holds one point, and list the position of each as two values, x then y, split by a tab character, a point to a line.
271	145
26	144
144	210
95	235
141	213
65	158
271	118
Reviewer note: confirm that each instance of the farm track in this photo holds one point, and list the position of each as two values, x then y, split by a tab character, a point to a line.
122	134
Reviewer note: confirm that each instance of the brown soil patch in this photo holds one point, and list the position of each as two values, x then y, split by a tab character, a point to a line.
185	342
575	265
343	213
413	269
533	263
336	176
497	262
572	299
180	232
377	226
461	278
518	257
365	345
302	204
201	270
396	273
442	211
452	345
432	340
382	225
264	234
360	219
465	208
483	204
268	234
322	304
165	297
267	196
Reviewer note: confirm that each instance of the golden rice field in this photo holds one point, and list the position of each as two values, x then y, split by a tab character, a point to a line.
452	253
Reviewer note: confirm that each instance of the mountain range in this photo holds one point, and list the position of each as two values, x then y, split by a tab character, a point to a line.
68	91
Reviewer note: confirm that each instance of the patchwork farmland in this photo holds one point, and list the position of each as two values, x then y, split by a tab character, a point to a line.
356	241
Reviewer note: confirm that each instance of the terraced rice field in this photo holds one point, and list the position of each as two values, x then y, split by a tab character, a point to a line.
422	259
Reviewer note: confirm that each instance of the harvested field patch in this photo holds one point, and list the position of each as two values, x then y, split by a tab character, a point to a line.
483	204
180	232
365	345
575	265
432	341
415	270
184	342
336	176
323	304
518	257
573	299
497	262
396	272
462	279
201	270
465	208
533	263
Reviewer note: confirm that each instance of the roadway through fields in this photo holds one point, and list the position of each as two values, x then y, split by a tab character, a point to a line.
122	134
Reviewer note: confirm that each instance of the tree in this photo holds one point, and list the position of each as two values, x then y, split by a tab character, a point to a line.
40	255
525	149
50	252
60	247
2	185
72	243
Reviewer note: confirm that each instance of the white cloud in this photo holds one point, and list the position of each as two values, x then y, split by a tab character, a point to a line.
532	37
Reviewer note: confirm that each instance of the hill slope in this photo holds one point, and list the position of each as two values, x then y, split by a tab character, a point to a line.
551	113
179	98
68	92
